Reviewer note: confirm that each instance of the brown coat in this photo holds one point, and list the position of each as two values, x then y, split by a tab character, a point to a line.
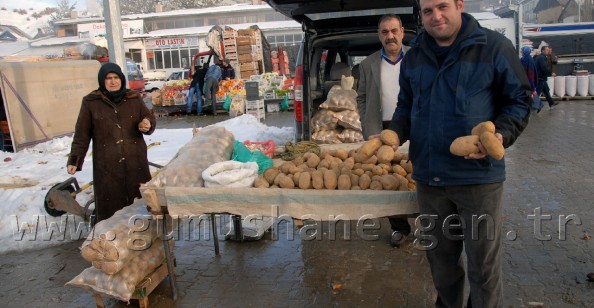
120	160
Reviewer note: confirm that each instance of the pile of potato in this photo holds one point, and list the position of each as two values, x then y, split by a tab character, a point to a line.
375	165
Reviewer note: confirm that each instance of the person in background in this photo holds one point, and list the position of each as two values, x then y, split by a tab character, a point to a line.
456	75
543	73
532	74
196	90
551	61
211	86
377	92
115	119
227	70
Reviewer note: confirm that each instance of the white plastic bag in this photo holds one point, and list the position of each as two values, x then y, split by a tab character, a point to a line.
230	174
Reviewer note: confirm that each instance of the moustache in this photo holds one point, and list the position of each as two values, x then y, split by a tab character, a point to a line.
391	40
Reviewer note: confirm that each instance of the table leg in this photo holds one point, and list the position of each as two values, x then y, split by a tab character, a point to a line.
215	235
238	227
170	269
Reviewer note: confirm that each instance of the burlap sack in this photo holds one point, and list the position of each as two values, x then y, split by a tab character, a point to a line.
323	119
349	119
210	145
340	99
326	136
122	284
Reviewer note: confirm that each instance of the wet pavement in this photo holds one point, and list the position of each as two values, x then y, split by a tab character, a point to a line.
549	168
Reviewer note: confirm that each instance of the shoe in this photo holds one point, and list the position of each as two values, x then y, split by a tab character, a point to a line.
553	105
397	239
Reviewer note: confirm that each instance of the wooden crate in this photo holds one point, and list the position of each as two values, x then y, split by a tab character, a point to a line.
144	288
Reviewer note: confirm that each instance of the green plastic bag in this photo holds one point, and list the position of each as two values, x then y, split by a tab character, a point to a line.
285	104
242	154
227	103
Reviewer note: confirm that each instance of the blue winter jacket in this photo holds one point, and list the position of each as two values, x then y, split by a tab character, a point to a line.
480	79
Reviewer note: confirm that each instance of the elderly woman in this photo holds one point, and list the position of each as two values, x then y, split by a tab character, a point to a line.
115	119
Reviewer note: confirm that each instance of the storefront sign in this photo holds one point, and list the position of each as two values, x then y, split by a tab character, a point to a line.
173	42
129	27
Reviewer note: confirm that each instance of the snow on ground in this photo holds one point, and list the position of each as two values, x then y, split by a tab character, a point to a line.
26	176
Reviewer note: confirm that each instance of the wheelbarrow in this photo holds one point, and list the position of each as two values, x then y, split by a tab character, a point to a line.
61	198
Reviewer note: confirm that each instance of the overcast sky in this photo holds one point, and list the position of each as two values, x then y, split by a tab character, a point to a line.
38	4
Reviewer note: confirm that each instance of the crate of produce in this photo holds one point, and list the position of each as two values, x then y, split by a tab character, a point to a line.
180	98
243	49
266	147
269	95
245	40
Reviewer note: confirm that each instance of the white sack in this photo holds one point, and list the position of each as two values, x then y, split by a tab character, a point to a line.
230	174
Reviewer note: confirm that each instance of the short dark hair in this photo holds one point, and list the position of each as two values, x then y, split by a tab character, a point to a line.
387	17
543	48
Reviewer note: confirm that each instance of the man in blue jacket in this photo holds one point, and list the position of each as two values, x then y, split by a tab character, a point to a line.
456	75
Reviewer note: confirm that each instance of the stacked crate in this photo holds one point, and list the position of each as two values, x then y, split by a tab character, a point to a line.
254	104
249	53
230	47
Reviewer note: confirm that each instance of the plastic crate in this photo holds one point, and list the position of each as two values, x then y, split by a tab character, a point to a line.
258	113
269	95
254	104
267	147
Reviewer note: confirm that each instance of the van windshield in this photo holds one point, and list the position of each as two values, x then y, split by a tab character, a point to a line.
133	72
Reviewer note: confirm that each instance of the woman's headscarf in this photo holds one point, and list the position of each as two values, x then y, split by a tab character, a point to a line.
529	66
105	69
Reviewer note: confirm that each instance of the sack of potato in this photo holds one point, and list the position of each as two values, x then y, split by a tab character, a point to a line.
340	99
374	165
122	284
115	241
185	169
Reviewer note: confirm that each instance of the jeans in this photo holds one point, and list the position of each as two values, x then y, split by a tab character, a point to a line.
543	87
211	87
469	217
195	90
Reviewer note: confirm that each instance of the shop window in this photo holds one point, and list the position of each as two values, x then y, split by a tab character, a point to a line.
185	58
167	59
198	22
159	60
175	60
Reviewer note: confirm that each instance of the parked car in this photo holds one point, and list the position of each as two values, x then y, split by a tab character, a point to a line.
158	84
336	31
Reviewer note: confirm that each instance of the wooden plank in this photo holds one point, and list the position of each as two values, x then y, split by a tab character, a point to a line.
148	284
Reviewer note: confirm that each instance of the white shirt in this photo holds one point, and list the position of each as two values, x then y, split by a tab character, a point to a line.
390	88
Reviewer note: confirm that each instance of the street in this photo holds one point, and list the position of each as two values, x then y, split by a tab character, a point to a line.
547	246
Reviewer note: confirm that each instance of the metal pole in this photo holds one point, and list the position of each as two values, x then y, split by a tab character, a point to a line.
114	34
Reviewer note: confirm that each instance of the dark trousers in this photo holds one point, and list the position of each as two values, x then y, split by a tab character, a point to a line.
477	211
543	87
211	87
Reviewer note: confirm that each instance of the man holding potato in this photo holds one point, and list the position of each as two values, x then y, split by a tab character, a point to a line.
456	75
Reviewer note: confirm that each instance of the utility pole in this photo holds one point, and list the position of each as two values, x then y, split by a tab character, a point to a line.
114	34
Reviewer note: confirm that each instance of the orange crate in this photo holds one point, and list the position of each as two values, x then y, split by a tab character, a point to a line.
267	147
